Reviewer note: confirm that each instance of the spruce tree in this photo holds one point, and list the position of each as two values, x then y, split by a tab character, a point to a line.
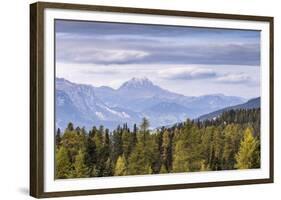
120	167
181	157
246	156
117	145
166	151
58	138
126	143
80	169
70	126
72	141
108	170
63	165
144	124
91	156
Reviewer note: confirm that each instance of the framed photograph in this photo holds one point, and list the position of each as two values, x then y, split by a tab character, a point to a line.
130	99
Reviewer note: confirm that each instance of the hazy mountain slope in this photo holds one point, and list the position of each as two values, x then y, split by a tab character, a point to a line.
136	94
86	105
252	103
166	113
79	104
139	94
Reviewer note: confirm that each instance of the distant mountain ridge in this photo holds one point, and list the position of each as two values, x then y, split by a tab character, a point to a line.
86	105
250	104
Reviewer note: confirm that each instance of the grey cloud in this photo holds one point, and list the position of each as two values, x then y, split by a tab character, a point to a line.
109	28
99	71
197	73
187	73
101	52
112	43
235	78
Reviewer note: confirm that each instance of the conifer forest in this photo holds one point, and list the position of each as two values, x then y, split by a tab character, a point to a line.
228	142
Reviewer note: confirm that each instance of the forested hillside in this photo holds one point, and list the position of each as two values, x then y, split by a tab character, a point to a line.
250	104
232	141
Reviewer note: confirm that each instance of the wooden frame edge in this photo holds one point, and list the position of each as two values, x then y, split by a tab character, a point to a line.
182	13
153	188
33	136
271	97
36	100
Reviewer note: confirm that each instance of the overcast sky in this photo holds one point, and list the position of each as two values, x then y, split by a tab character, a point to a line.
187	60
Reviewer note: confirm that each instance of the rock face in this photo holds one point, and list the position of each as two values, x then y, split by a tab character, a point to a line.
86	105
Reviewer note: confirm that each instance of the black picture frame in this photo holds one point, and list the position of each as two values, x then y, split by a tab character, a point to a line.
37	97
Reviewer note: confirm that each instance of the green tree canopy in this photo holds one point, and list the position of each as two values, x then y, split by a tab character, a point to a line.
120	167
63	165
229	142
80	169
246	157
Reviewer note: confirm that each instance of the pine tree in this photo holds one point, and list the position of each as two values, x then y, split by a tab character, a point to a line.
70	126
140	160
232	137
72	141
100	162
117	145
207	147
181	157
91	155
144	125
137	161
144	131
132	139
63	165
126	143
246	156
217	144
163	170
155	151
80	169
120	167
108	170
104	165
58	138
166	151
134	136
106	146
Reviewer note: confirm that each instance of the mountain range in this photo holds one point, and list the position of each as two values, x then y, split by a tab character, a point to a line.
87	105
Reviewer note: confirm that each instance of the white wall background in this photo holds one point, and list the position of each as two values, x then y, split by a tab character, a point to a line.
14	99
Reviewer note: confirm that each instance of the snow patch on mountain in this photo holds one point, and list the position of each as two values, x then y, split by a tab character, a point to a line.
100	115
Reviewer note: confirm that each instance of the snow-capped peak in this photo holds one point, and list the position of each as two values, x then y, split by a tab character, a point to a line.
137	82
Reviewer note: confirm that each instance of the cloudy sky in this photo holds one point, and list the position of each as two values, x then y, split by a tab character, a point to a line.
187	60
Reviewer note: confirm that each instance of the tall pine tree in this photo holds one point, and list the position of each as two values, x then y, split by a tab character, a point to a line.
248	154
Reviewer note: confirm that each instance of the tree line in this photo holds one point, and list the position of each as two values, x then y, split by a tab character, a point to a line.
231	141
